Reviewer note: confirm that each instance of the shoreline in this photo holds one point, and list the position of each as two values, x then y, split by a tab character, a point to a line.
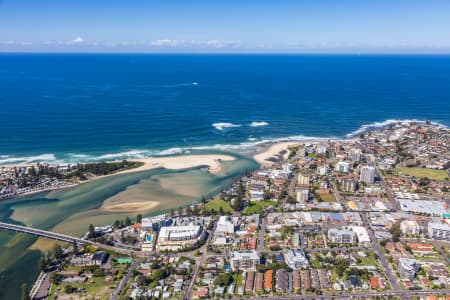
213	163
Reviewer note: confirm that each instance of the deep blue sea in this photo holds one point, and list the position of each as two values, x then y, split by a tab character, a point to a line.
97	107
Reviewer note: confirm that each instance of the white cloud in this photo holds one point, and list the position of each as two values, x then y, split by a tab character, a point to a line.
194	43
77	40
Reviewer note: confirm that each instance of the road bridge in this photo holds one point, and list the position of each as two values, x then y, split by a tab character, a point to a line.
67	238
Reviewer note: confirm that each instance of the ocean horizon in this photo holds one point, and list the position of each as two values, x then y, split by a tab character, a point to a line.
95	107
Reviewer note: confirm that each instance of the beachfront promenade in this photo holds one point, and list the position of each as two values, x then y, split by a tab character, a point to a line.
64	238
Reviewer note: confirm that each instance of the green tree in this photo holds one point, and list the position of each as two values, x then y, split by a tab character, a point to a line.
91	231
58	252
139	218
68	289
189	211
116	224
25	292
341	264
43	264
196	211
240	193
396	232
127	221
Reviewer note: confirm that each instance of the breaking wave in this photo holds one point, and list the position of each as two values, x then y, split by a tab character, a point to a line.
248	146
223	125
258	124
6	159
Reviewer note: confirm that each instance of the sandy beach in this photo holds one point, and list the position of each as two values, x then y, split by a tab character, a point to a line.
272	152
213	161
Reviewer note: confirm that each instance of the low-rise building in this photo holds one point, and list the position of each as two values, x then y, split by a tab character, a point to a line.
343	167
225	225
296	259
439	231
341	236
179	237
244	260
410	227
408	267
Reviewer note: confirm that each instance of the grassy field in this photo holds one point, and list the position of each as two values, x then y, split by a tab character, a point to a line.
422	173
216	204
256	207
327	197
95	287
370	260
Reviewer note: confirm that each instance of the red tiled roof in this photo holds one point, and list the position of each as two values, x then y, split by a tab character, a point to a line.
374	282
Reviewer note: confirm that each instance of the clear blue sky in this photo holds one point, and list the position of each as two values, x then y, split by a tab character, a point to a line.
297	26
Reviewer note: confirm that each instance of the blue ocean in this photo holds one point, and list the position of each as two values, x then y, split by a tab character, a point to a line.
88	107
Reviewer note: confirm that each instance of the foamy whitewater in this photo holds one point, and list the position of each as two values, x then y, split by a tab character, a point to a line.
249	146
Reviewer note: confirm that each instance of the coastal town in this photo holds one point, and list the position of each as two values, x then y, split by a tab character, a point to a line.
363	218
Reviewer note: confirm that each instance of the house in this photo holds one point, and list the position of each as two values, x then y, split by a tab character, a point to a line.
375	283
249	280
281	281
268	277
420	248
99	258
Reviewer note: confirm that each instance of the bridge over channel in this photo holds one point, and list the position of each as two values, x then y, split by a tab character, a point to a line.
65	238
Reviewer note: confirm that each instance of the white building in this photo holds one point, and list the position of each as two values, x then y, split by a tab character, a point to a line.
410	227
296	259
322	170
361	234
367	174
179	237
439	231
149	223
343	167
355	154
225	225
341	236
302	195
408	267
244	260
303	179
